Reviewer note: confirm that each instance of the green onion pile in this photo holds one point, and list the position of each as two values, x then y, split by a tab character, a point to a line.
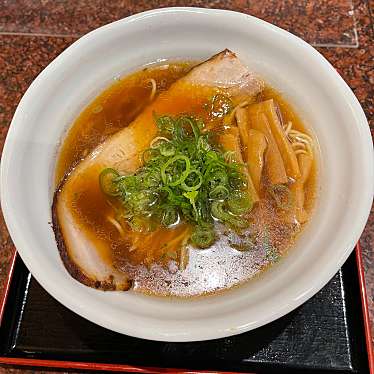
185	178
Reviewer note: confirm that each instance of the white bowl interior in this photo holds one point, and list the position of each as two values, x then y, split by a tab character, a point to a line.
319	95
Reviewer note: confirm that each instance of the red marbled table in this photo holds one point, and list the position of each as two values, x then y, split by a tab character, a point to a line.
32	33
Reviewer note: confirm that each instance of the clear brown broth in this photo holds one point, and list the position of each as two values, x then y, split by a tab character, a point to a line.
219	267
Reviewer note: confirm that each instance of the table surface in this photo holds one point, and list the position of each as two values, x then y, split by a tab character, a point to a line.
33	32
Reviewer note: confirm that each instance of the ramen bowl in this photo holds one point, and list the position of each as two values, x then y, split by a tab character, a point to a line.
320	96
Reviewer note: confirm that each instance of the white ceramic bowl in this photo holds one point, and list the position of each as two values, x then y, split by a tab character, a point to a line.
321	97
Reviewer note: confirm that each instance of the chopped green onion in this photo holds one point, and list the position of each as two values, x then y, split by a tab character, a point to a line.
141	224
219	212
203	144
166	178
128	184
151	178
211	156
170	216
150	154
191	195
167	149
203	237
219	192
106	181
142	201
216	175
197	182
184	122
157	141
238	223
165	124
239	202
237	179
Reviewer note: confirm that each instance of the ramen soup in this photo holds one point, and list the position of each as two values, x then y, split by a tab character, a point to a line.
182	179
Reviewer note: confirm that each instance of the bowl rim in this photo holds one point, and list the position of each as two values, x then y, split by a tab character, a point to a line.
62	296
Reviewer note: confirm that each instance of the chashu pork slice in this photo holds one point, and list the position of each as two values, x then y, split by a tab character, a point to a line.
88	258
